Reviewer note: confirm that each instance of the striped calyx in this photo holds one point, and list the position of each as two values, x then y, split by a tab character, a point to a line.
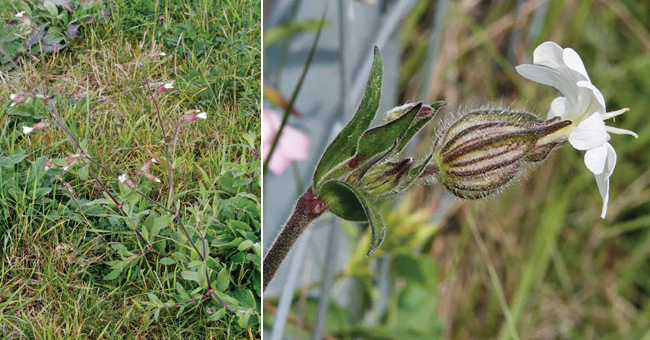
485	149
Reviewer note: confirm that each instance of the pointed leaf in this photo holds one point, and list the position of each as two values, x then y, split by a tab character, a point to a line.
382	138
418	123
346	202
344	145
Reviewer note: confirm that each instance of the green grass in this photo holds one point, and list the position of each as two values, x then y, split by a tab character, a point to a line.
55	249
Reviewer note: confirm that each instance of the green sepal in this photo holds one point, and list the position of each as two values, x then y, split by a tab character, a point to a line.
344	145
417	124
344	201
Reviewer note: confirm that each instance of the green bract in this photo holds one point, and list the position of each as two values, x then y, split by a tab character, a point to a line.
354	170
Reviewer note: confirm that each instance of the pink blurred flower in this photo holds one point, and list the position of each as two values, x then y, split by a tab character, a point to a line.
293	144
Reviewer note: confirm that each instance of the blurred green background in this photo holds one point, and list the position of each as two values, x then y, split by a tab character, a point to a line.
536	261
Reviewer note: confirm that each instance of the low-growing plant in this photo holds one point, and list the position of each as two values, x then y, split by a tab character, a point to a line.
208	251
45	26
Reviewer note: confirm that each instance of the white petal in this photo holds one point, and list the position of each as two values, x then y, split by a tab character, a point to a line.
573	61
587	97
548	54
620	131
20	14
589	133
603	187
13	96
202	115
27	129
602	180
596	158
558	108
551	77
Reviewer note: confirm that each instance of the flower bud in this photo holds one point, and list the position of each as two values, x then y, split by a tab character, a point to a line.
398	111
383	179
485	149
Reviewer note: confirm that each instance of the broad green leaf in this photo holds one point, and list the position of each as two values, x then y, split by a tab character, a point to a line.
167	261
344	201
190	275
223	280
245	245
83	172
113	274
344	145
51	8
216	316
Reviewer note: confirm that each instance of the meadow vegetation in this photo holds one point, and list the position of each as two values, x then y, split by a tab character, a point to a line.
72	266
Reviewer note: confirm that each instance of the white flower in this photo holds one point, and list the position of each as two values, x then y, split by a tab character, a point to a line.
582	104
122	178
27	129
169	85
163	54
153	160
20	14
202	115
13	96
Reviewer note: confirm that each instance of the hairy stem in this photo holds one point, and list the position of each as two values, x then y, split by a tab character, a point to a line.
307	209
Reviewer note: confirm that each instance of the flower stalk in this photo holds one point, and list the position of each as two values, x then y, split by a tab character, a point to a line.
307	209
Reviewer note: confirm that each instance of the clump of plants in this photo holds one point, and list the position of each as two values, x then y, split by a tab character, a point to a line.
45	26
208	250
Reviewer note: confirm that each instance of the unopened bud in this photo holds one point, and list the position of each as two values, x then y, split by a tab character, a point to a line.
38	126
71	160
19	97
485	149
396	112
383	179
125	179
151	177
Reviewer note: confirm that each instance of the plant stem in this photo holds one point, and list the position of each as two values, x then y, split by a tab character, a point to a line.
169	161
307	209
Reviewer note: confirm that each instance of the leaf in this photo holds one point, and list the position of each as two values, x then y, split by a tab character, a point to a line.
190	275
417	124
83	172
167	261
345	201
73	31
51	7
112	275
245	245
382	138
344	145
216	316
64	3
223	280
